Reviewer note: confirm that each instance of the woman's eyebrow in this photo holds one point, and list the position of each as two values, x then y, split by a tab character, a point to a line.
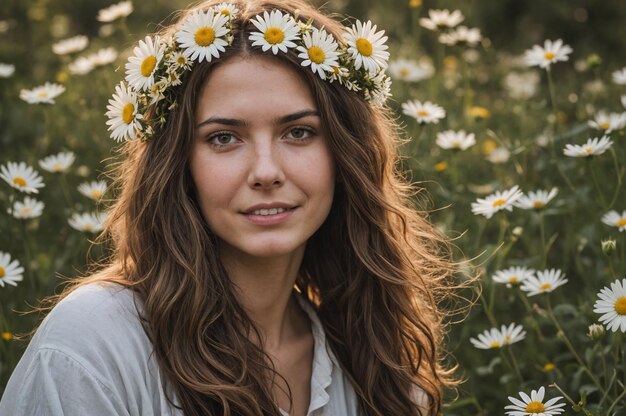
241	123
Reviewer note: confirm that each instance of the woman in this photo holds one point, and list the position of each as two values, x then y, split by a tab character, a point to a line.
267	258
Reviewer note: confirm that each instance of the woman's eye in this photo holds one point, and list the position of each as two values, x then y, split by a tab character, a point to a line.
300	133
221	139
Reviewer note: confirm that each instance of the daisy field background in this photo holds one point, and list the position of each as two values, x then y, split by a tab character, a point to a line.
514	114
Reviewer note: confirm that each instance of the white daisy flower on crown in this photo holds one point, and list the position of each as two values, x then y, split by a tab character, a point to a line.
608	122
201	36
10	271
227	9
319	51
43	94
512	275
533	404
57	163
536	199
115	11
367	47
157	90
455	140
29	208
21	177
339	74
6	70
619	77
277	31
488	339
81	66
615	219
178	60
410	71
441	19
552	52
141	67
103	56
88	222
593	147
544	281
70	45
381	91
612	305
93	189
497	201
124	121
426	112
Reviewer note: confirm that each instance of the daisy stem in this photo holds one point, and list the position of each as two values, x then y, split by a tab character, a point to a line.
515	366
619	178
618	400
595	183
542	229
490	316
27	257
555	111
570	400
606	394
561	334
66	194
529	308
467	94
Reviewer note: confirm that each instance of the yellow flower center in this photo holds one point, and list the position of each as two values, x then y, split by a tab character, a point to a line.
181	60
415	3
441	166
95	194
19	181
87	227
535	407
479	112
549	55
545	286
274	35
128	113
456	144
538	204
316	54
225	12
26	211
549	367
498	203
404	72
495	344
2	272
621	222
513	279
589	150
204	36
488	146
42	94
7	336
620	305
605	125
147	66
422	113
364	46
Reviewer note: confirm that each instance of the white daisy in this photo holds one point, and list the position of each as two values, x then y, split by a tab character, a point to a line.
93	190
43	94
88	222
552	52
124	121
619	77
608	122
10	271
6	70
593	147
496	202
21	177
512	333
29	208
57	163
499	155
276	31
614	219
367	47
141	67
70	45
521	86
536	199
461	35
441	19
227	9
488	339
81	66
612	305
410	71
103	56
115	11
319	51
512	275
202	35
178	60
424	112
543	282
457	140
534	405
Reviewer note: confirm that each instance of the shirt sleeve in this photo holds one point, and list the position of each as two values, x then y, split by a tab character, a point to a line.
55	384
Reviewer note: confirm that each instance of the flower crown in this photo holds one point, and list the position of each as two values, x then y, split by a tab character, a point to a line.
159	64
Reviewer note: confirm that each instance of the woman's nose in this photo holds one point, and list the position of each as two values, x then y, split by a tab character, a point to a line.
266	169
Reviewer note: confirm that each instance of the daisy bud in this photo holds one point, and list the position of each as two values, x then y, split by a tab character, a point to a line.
609	246
596	332
594	60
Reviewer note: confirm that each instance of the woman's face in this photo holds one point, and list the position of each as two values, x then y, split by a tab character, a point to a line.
260	161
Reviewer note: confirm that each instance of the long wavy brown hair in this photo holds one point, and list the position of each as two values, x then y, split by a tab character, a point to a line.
375	271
